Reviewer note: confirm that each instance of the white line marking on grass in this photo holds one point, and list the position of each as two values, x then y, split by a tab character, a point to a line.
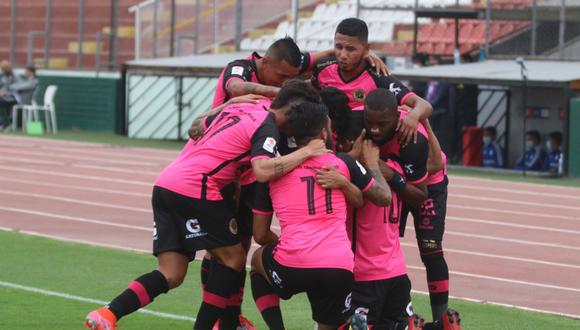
496	256
77	176
75	219
88	300
77	201
77	187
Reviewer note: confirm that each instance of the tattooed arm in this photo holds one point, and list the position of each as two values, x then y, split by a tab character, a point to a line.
266	169
239	87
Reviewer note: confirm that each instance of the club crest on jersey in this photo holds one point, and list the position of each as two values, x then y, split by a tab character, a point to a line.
359	95
269	144
394	89
238	70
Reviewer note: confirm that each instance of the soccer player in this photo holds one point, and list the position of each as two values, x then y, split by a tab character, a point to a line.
347	71
190	213
264	75
381	293
429	206
313	253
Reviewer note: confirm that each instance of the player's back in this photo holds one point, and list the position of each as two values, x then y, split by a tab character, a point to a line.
374	231
209	163
312	218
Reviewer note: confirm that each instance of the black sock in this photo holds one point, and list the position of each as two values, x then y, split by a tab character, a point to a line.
222	283
230	319
140	292
267	300
204	270
437	281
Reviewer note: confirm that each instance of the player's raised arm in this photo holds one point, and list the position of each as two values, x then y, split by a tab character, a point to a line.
435	160
379	193
408	126
267	169
239	87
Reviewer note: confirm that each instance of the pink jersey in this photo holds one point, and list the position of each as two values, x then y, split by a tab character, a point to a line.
326	73
240	133
374	232
312	218
413	157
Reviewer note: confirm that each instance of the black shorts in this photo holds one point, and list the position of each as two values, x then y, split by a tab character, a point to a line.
186	225
328	289
387	301
429	220
243	207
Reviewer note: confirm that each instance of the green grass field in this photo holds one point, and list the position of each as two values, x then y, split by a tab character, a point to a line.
100	273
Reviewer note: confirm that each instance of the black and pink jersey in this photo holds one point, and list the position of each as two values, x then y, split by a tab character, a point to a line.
313	219
239	134
246	70
374	233
413	157
326	73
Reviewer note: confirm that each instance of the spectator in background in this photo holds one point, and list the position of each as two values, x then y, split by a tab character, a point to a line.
7	78
419	87
554	161
534	156
18	92
492	152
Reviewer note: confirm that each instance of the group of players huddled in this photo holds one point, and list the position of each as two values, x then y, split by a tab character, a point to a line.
340	158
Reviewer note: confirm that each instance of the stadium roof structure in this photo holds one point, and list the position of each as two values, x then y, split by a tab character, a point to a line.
189	65
555	74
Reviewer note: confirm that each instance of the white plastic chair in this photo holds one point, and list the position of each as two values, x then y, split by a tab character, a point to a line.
32	111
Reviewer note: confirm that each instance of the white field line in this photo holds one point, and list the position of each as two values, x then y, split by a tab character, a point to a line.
454	186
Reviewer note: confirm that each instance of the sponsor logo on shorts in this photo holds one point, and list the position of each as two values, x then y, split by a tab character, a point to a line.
194	228
276	278
347	303
409	309
359	95
233	226
155	236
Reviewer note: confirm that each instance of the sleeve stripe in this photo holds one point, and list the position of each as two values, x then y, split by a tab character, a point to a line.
419	180
404	99
227	83
368	185
262	212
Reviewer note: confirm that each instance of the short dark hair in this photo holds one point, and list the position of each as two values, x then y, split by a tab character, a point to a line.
337	103
307	120
354	27
381	99
285	49
491	130
31	69
295	90
534	134
556	136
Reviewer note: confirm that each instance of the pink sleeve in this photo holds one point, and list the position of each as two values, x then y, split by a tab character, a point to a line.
404	99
